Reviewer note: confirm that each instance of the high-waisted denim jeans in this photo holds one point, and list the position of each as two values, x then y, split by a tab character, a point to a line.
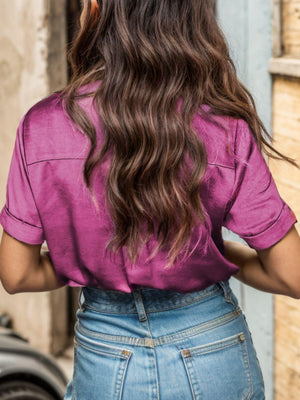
158	344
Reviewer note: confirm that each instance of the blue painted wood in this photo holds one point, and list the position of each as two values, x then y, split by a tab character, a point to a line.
247	27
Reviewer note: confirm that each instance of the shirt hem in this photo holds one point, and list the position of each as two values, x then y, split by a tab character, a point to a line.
20	230
275	232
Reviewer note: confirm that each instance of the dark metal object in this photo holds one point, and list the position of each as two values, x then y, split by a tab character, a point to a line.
28	369
5	320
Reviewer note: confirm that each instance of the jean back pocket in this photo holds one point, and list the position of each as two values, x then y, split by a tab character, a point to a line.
219	370
99	369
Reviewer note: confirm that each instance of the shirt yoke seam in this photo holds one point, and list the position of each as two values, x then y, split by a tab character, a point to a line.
55	159
25	160
83	158
221	165
228	206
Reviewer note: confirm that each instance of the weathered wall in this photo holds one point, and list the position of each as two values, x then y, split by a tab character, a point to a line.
291	27
247	27
287	310
286	128
32	65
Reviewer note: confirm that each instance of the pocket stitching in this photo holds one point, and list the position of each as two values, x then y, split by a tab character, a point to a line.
74	370
125	353
86	306
189	378
123	376
233	340
123	366
217	345
246	355
171	338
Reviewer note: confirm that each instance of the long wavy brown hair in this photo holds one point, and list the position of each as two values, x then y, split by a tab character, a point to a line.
148	55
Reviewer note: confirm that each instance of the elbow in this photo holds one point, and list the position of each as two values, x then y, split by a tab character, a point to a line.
296	294
12	282
11	287
292	291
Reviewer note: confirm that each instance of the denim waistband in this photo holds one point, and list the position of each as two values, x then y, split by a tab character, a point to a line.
144	300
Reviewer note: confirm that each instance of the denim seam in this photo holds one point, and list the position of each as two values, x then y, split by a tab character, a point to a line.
233	341
74	373
248	367
215	346
106	353
156	375
153	350
147	342
124	374
185	362
124	359
192	380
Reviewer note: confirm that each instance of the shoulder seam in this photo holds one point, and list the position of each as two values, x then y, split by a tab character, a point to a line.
228	205
25	160
27	116
23	139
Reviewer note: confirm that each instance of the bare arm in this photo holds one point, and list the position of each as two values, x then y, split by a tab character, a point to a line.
274	270
25	268
282	261
41	278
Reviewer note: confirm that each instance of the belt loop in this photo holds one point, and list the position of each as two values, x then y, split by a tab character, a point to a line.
139	304
81	299
226	289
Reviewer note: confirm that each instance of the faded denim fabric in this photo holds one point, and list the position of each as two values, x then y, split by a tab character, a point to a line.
155	344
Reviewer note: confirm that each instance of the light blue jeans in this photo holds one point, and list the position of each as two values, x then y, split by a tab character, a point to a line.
160	344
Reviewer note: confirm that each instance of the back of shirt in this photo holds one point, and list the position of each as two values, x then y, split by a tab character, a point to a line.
47	199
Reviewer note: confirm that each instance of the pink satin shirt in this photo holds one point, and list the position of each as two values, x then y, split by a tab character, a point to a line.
47	200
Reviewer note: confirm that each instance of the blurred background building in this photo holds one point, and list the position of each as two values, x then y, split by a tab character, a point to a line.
264	38
285	69
34	37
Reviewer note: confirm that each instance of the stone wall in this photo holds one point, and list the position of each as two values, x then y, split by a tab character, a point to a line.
287	310
291	27
286	128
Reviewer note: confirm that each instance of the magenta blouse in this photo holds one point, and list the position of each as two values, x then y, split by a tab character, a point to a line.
47	200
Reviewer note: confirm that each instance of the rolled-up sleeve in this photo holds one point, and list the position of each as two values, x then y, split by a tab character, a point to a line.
256	211
19	216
